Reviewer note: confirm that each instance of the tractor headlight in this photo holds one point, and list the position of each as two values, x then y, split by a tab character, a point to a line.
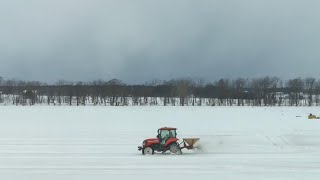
143	143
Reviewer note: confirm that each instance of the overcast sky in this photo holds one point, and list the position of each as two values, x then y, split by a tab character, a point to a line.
141	40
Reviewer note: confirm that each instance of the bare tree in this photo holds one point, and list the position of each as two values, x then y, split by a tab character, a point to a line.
197	88
114	91
281	96
309	84
317	92
223	86
263	89
295	90
70	92
79	92
154	83
167	91
240	86
183	90
96	91
60	84
1	90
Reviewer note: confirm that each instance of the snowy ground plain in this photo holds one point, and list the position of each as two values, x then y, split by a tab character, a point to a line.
85	143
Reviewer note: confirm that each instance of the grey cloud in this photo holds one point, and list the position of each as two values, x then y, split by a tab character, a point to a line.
146	39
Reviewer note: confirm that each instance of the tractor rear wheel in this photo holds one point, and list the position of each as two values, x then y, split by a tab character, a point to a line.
175	149
147	151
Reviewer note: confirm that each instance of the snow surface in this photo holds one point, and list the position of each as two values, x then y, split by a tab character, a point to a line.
82	143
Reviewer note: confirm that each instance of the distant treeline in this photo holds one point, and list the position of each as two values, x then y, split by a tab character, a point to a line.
265	91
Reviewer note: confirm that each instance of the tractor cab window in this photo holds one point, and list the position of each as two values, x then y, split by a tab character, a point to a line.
172	133
167	134
164	134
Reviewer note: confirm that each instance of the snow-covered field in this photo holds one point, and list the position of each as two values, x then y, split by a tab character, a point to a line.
86	143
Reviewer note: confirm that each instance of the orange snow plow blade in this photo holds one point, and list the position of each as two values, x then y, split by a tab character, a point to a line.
189	143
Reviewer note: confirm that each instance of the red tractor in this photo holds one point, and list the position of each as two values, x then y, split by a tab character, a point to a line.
166	141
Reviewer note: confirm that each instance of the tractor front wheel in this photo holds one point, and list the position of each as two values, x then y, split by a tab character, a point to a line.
175	149
147	151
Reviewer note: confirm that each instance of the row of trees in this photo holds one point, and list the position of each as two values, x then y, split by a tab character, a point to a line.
265	91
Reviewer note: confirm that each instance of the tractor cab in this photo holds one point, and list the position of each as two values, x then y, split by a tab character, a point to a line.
166	133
